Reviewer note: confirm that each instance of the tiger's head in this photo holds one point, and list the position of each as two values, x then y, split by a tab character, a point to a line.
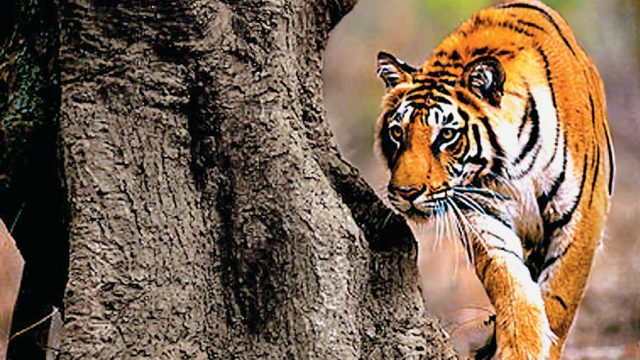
434	132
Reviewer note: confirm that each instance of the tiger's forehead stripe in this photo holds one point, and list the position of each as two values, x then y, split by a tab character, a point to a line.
404	113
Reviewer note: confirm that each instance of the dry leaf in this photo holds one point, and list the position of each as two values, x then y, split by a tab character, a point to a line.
11	266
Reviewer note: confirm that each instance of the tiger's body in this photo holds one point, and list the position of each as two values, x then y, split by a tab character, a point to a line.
501	138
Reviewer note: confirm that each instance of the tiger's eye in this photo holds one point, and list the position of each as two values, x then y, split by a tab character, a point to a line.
447	134
396	132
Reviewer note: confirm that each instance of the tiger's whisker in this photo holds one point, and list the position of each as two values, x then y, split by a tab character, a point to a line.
471	227
438	229
472	204
479	191
462	235
447	220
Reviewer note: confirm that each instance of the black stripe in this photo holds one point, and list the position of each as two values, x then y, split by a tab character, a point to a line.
523	124
492	213
441	99
428	85
560	301
545	198
424	121
465	151
531	113
530	24
389	148
531	164
480	51
483	273
454	65
513	93
515	28
496	166
593	125
442	73
419	106
546	15
595	175
534	137
477	159
555	105
463	114
443	90
455	149
552	260
503	24
550	228
596	162
505	53
449	119
490	233
509	252
423	87
464	99
454	171
612	165
416	96
448	82
476	137
593	116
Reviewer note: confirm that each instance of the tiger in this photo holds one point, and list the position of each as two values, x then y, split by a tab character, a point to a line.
501	139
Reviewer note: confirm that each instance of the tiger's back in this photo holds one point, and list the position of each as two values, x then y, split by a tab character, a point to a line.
527	109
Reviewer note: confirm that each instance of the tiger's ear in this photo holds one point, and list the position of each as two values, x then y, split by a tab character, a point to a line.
392	70
485	78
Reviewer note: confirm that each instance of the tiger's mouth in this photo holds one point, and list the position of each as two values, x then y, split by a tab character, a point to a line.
424	206
431	204
458	200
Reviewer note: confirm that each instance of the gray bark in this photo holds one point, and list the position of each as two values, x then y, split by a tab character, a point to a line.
211	215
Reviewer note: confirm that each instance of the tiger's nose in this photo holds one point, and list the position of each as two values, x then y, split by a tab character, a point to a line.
407	192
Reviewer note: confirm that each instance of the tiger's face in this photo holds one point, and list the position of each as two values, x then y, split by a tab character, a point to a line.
435	136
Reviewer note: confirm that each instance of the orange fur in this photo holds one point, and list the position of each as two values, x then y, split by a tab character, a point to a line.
548	78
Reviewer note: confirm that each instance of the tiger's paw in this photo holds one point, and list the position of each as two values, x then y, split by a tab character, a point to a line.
530	339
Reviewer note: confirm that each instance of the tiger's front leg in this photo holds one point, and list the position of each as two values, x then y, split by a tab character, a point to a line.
522	328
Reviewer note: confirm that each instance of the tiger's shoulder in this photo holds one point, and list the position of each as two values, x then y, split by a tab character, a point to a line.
538	50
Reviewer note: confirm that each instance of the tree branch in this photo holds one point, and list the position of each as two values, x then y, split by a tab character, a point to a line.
337	9
384	229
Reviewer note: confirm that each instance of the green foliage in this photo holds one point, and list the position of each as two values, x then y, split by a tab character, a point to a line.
561	5
452	12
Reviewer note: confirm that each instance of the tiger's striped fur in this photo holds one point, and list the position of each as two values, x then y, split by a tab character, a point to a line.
502	135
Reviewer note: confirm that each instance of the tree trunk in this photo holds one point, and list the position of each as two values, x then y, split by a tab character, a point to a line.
211	215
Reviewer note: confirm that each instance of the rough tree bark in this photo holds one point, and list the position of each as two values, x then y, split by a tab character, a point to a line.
210	213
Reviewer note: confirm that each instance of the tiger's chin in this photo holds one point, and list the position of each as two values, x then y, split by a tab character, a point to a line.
416	215
419	217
